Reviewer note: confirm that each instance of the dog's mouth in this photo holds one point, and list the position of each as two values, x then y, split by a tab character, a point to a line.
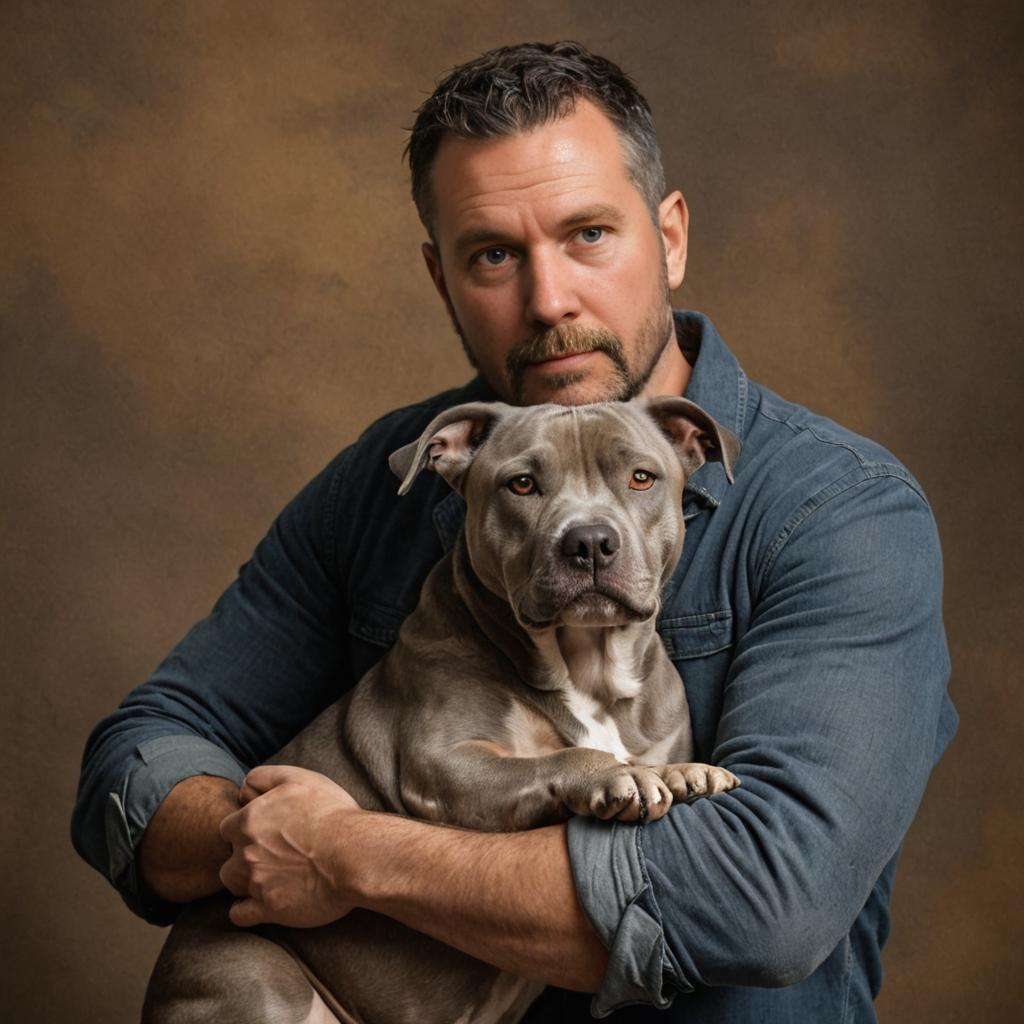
598	609
601	605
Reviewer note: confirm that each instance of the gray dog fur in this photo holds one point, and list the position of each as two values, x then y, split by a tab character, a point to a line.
536	633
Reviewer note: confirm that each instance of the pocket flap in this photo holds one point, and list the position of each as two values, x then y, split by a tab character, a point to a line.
376	623
696	636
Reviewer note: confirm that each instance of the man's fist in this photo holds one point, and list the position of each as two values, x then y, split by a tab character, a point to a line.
285	841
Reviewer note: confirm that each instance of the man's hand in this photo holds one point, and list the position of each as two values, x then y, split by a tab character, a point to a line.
284	843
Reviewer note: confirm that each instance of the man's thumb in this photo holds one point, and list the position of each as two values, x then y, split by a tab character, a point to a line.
245	913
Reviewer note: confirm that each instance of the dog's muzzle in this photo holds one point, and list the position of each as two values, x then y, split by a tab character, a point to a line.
588	582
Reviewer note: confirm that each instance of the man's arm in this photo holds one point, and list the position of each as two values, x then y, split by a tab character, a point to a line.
243	681
508	899
305	854
182	851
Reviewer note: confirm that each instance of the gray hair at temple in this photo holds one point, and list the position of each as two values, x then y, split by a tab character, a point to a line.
516	88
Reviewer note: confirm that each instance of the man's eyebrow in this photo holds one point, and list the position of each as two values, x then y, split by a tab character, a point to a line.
478	236
598	214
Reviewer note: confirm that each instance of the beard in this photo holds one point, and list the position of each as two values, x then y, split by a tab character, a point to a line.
623	382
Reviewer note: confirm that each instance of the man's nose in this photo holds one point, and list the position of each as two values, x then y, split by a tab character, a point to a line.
551	297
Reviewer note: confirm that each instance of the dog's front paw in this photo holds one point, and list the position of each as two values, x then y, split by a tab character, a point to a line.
687	781
626	793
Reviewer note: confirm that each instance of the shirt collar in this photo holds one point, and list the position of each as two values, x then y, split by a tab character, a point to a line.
720	387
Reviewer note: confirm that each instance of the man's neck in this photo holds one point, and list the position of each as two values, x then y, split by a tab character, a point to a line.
671	372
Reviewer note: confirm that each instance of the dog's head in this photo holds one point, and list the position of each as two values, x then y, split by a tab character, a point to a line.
574	513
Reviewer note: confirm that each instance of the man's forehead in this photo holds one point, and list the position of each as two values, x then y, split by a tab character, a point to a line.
564	163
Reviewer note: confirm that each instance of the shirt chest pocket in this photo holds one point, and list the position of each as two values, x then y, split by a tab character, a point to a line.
696	636
700	647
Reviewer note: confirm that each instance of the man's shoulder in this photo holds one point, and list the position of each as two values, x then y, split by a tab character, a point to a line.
799	463
789	453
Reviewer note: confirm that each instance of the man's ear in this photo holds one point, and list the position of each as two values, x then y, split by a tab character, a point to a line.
674	224
696	437
432	258
448	445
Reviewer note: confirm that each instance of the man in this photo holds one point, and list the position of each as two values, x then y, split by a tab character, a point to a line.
805	615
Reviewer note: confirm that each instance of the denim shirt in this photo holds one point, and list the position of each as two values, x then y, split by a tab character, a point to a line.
804	615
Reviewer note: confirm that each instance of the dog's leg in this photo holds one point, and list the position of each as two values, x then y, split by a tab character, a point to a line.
477	785
210	972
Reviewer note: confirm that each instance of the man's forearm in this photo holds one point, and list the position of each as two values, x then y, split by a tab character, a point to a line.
304	854
181	852
508	899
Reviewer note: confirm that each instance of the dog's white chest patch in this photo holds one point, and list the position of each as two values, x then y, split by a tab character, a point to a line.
599	729
580	661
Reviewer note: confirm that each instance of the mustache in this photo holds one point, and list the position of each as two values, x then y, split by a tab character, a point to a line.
563	340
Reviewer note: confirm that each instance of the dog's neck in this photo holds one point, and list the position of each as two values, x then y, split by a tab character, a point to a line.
604	664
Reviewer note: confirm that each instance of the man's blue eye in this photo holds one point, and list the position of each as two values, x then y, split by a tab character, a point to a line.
495	257
592	234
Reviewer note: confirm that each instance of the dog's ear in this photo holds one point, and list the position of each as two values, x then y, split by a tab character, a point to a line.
448	445
696	437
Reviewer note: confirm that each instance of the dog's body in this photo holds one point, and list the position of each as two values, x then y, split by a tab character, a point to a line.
527	685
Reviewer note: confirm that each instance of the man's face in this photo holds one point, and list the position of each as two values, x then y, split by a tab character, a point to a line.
555	275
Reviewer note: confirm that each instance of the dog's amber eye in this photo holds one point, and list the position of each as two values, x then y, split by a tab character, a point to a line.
522	485
641	480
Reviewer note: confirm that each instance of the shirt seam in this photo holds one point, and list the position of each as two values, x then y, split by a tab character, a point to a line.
893	469
696	619
799	428
863	474
330	509
847	982
742	400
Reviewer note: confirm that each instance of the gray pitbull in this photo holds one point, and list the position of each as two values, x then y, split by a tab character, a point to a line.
528	684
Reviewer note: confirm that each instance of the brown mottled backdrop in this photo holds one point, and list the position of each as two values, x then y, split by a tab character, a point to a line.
210	280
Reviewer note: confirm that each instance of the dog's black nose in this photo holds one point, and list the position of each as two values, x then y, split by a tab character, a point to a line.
597	543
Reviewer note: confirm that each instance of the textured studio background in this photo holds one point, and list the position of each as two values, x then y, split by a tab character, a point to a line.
210	280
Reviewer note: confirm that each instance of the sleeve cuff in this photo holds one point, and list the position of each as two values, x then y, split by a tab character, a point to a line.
615	892
158	765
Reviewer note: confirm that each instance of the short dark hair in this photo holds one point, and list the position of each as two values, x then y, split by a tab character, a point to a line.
516	88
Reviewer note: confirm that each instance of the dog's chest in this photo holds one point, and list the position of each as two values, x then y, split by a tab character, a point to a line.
599	729
531	734
590	670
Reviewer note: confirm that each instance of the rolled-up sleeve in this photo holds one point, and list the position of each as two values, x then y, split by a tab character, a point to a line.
152	770
834	712
243	681
610	875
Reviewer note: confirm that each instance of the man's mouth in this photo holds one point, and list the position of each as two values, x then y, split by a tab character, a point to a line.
563	363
